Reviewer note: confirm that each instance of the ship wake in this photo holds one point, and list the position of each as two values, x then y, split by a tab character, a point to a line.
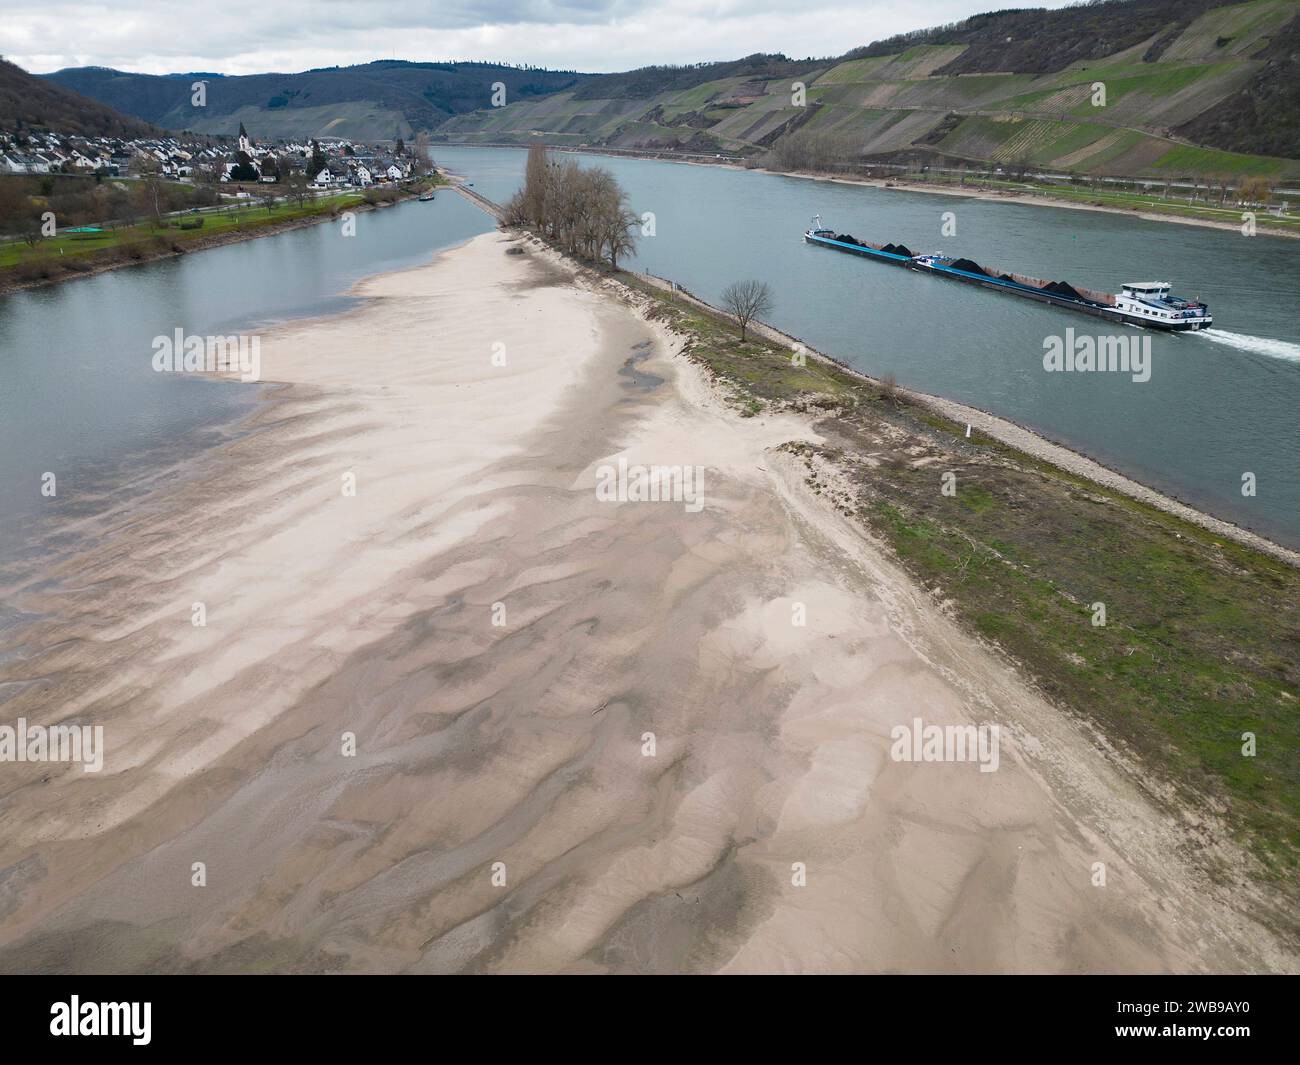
1277	349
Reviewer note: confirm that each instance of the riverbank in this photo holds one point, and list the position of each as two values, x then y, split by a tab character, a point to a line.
1265	225
148	244
455	709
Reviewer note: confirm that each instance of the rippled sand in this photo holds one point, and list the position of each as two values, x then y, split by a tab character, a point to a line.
525	743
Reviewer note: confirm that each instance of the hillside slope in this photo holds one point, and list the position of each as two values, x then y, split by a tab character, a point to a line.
1192	87
377	101
30	102
1264	116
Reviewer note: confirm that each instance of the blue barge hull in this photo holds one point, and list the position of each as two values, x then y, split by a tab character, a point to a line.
1100	310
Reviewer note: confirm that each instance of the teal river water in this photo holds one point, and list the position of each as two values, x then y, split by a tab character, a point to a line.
78	396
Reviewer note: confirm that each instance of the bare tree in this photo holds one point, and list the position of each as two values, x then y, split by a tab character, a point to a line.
204	174
423	160
747	300
537	177
617	232
294	181
121	206
806	149
31	232
608	223
13	205
150	189
513	210
562	207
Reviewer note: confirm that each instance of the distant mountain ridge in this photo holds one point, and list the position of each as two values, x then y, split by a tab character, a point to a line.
383	100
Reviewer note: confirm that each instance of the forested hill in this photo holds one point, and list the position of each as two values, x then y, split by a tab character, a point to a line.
374	101
1038	41
30	102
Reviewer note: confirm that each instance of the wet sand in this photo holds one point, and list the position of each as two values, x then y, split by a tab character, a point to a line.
589	736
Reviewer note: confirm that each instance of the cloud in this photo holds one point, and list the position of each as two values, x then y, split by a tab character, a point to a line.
254	36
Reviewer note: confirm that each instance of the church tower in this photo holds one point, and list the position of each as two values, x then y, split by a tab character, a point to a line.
245	145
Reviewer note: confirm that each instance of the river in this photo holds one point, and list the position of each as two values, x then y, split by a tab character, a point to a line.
1217	406
79	397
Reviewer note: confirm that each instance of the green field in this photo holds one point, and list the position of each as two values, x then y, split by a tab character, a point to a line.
73	253
1188	159
215	223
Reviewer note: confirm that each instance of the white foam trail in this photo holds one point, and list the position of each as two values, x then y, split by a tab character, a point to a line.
1278	349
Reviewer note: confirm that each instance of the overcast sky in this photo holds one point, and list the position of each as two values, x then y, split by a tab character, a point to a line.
254	36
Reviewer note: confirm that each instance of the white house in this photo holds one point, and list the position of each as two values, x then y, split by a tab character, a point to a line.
27	163
395	172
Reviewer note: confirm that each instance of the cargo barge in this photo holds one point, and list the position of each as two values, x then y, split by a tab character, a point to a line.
1139	303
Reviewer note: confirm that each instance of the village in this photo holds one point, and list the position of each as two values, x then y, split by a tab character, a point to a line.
328	164
74	204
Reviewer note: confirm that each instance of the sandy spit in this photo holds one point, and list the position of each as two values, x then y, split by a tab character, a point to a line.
451	711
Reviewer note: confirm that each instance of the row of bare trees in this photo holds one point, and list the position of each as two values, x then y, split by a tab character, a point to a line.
807	149
582	209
